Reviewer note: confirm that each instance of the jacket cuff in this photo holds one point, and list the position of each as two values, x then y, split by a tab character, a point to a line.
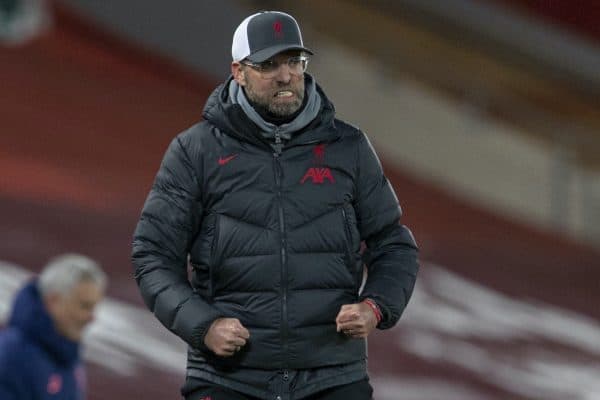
375	308
385	313
198	335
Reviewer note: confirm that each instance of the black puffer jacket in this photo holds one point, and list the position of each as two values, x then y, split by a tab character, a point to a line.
274	238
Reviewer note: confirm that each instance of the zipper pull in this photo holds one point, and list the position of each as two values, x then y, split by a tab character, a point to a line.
278	142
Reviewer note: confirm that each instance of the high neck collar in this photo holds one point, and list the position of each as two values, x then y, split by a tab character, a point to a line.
308	112
29	315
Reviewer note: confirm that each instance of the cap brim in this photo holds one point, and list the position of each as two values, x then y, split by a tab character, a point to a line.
269	52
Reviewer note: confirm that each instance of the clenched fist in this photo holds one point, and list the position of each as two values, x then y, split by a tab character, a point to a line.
226	336
356	320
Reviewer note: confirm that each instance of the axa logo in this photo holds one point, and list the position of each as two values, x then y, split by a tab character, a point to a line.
318	175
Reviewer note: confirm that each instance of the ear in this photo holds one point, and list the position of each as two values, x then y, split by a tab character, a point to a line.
237	71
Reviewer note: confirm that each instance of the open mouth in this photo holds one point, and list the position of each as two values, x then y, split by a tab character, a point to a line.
284	93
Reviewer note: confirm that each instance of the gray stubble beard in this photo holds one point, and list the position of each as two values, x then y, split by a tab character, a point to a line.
280	110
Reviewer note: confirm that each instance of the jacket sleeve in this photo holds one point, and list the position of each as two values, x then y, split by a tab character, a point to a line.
6	392
14	384
391	253
10	390
162	239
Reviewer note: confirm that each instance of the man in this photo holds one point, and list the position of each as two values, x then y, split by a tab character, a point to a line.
268	200
39	349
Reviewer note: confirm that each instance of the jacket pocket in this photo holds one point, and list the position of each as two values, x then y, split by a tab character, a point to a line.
352	258
348	237
214	255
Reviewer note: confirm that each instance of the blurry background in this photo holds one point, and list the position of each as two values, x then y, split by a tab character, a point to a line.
486	116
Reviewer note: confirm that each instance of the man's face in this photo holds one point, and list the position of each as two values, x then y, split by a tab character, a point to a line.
73	312
281	95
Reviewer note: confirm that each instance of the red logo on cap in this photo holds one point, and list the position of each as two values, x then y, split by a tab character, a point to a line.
277	29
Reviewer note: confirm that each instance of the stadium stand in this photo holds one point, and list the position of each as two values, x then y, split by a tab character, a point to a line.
502	310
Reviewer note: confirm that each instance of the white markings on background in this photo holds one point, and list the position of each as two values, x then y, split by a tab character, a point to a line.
523	347
399	387
122	338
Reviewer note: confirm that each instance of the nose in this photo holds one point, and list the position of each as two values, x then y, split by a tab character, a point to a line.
283	73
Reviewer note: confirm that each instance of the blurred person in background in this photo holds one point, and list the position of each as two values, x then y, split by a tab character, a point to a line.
268	200
40	347
23	20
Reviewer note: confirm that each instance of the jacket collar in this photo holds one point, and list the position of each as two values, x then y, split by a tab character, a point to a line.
29	315
229	116
308	113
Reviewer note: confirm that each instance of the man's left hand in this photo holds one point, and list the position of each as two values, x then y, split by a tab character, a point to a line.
356	320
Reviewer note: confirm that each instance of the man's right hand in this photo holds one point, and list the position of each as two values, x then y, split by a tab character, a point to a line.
226	336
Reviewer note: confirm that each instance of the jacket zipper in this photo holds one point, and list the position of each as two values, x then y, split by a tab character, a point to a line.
278	142
284	286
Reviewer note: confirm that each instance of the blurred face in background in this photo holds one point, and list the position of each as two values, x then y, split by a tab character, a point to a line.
72	312
277	84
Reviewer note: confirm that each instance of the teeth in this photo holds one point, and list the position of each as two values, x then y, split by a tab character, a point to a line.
283	93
